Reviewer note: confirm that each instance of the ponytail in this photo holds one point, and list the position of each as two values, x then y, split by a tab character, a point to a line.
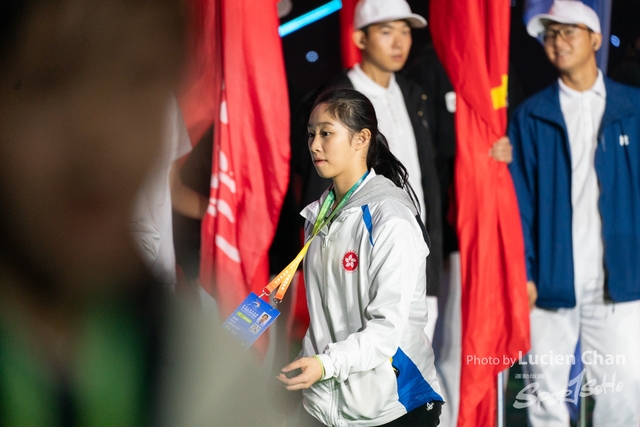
380	158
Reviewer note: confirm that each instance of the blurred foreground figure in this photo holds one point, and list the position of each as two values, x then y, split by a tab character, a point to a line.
87	337
152	217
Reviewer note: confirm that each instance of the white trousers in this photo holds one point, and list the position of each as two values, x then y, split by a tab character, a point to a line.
609	336
432	316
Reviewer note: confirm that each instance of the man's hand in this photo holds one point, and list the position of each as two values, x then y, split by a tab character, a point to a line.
501	150
532	292
311	373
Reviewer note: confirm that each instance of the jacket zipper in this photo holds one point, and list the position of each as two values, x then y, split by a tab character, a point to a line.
334	405
325	271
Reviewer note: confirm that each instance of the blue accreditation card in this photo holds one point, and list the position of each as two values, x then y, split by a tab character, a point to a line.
252	317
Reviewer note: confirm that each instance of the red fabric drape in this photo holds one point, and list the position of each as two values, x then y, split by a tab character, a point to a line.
238	83
350	53
200	95
472	40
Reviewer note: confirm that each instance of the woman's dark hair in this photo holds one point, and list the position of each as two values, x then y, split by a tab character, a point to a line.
356	113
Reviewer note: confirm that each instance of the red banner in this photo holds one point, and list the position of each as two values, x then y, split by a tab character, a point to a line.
472	40
239	85
350	52
200	97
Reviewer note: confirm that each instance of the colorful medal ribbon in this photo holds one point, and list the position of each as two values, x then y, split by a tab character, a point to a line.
283	280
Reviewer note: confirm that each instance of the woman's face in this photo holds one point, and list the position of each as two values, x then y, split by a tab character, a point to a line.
331	145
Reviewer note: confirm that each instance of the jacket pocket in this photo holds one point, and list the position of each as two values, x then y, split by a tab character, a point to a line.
368	395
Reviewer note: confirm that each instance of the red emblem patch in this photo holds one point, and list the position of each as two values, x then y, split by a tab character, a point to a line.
350	261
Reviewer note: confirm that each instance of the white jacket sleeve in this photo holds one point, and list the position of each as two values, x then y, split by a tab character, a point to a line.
396	269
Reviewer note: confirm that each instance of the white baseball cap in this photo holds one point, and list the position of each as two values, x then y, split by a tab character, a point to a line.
565	12
376	11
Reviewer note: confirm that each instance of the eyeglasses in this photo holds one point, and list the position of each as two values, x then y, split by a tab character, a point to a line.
566	33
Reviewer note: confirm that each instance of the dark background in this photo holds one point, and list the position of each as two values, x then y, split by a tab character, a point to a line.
530	69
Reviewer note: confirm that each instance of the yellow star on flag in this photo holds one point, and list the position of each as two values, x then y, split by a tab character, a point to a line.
499	94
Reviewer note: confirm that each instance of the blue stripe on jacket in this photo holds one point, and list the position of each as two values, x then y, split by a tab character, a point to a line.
413	389
366	217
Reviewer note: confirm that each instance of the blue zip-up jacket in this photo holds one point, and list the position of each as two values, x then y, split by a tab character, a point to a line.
541	171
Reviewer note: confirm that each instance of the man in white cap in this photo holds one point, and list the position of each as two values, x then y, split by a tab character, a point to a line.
383	35
576	169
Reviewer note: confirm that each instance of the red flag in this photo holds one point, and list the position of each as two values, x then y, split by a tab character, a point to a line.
350	52
471	38
200	97
239	85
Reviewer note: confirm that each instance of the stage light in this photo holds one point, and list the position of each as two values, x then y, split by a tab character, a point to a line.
615	41
310	17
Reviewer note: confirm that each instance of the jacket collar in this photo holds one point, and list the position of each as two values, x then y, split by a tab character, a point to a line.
618	105
368	84
548	106
310	213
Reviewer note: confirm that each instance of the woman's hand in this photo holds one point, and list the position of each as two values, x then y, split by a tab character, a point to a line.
311	373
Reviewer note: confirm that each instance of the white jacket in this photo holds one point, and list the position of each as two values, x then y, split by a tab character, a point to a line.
366	291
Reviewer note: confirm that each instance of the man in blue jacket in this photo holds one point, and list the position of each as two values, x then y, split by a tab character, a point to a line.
576	169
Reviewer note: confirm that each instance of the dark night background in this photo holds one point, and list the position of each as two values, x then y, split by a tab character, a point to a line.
530	71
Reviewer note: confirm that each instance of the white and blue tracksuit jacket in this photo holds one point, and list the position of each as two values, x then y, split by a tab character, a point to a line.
366	291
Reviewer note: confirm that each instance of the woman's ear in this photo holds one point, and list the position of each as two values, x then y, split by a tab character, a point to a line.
361	139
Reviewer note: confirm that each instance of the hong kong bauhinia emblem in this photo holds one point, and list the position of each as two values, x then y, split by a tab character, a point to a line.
350	261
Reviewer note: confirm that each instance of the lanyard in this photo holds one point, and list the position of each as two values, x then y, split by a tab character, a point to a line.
283	280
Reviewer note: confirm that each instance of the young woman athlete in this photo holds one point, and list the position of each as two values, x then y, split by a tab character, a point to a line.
366	360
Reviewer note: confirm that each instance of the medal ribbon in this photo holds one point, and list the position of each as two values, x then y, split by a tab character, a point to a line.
283	280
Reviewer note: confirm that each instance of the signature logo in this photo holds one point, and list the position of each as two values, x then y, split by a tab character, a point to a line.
529	395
